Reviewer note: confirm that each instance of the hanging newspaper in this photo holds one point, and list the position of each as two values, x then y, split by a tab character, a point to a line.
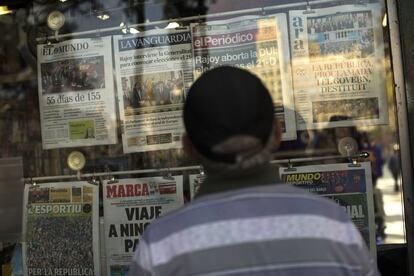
129	206
338	66
76	98
154	72
257	44
348	185
61	227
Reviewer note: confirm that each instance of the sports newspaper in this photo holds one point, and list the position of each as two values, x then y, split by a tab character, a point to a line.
348	185
154	72
338	66
61	229
76	93
259	45
129	207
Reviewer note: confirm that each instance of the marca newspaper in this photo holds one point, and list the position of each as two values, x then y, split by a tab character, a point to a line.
129	206
348	185
259	45
61	229
338	66
76	93
154	72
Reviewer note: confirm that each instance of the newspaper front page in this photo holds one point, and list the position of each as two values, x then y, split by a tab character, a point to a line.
259	45
76	93
129	207
154	73
338	66
61	229
348	185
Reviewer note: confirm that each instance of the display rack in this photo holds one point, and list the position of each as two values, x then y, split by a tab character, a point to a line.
263	10
352	159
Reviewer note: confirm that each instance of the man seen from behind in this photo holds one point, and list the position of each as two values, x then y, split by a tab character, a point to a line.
243	222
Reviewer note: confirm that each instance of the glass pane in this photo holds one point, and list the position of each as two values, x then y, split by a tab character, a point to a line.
108	79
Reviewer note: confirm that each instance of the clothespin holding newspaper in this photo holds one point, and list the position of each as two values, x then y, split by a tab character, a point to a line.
168	175
348	147
308	8
93	180
290	167
98	35
359	156
109	176
33	182
202	173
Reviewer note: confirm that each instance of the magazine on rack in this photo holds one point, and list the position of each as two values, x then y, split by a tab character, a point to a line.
258	44
154	72
129	206
76	93
348	185
61	229
338	66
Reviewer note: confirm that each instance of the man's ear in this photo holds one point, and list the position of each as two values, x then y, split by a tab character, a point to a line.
277	135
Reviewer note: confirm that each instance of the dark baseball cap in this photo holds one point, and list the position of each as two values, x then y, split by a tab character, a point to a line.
223	103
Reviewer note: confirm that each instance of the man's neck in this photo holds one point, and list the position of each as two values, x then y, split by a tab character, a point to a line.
216	183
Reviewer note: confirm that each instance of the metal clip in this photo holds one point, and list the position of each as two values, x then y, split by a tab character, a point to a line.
109	177
98	35
290	167
363	154
33	182
49	43
308	8
124	28
354	163
112	180
168	175
93	180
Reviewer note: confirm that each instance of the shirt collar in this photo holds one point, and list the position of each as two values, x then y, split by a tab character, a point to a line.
216	183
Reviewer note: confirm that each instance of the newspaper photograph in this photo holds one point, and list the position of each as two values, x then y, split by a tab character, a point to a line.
76	93
338	66
257	44
61	229
154	73
350	186
129	207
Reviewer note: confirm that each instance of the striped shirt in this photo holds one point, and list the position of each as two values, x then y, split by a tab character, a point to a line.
260	230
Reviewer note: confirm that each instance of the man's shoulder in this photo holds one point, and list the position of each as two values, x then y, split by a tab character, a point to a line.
289	194
284	220
264	192
248	204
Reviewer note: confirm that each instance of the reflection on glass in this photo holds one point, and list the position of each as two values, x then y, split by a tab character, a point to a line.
328	70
